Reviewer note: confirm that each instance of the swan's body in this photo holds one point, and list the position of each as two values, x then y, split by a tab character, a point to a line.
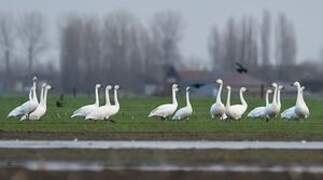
260	112
85	110
186	111
166	110
273	109
236	111
41	108
29	106
300	110
218	108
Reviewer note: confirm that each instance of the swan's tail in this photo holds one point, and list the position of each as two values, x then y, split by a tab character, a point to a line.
76	115
14	113
151	114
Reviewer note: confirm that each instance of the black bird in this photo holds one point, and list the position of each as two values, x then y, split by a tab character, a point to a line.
240	69
60	101
197	85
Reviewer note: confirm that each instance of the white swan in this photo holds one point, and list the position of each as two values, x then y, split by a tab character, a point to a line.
166	110
236	111
30	105
42	107
218	108
260	112
116	107
186	111
85	110
101	112
272	110
300	110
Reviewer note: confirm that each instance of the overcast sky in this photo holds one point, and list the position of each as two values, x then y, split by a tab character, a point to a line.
199	16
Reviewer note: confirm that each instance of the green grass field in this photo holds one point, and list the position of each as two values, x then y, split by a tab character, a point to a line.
132	122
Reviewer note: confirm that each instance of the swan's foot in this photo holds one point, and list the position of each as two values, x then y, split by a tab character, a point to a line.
111	120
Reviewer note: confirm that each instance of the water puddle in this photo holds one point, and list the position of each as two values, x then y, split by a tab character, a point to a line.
162	145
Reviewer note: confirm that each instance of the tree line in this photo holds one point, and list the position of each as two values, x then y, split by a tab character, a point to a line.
119	48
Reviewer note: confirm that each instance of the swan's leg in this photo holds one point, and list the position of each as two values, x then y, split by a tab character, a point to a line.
111	120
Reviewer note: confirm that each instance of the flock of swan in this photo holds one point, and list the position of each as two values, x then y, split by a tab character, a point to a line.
34	109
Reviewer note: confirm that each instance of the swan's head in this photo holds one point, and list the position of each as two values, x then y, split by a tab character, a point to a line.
174	86
274	85
297	84
97	85
188	89
243	89
116	87
219	81
43	85
35	78
303	88
48	87
229	87
280	87
108	87
269	91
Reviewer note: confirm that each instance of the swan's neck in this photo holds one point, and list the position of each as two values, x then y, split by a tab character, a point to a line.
218	97
229	98
174	97
278	98
42	95
31	94
267	98
107	98
45	97
188	103
96	96
116	101
275	96
300	97
34	91
243	101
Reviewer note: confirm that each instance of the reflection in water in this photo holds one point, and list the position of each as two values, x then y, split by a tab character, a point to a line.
99	166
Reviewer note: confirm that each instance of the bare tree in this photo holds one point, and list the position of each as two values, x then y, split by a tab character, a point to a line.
7	44
167	30
90	52
70	47
32	33
231	44
285	42
121	47
265	38
216	49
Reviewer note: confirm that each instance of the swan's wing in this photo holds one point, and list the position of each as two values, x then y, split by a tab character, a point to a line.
182	113
257	112
83	111
160	110
23	109
289	113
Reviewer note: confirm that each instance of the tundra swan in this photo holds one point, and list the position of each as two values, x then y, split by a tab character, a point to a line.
186	111
260	112
166	110
300	110
273	109
42	107
85	110
218	108
29	106
236	111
